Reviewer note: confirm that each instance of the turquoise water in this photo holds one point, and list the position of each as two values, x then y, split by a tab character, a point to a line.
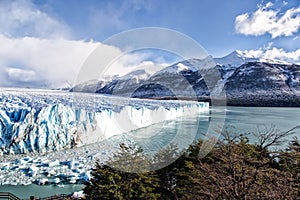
250	119
247	118
239	119
26	191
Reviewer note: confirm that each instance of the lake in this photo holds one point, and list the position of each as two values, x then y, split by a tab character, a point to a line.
239	119
236	119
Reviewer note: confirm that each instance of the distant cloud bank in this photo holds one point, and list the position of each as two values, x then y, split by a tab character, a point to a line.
48	62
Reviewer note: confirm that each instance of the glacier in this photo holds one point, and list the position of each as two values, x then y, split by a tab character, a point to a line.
41	121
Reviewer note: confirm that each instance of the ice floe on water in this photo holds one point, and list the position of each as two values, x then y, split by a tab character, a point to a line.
71	166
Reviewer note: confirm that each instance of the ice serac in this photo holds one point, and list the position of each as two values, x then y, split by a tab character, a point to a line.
31	125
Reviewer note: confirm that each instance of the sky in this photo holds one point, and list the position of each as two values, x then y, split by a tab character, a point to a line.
44	43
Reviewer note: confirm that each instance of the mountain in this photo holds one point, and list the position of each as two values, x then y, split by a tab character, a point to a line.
237	58
180	79
244	79
257	81
264	84
124	85
91	86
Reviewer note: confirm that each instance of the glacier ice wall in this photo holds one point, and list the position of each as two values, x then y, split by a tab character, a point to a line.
41	121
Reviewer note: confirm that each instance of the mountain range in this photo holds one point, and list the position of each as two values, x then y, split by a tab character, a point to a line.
239	79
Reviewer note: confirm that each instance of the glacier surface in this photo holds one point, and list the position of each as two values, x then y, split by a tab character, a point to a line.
41	121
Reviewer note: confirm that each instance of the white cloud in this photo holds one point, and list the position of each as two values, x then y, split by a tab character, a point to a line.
19	18
269	4
275	53
36	49
55	61
268	20
136	61
22	75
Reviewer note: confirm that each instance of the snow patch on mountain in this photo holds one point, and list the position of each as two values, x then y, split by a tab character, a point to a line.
138	75
182	67
237	58
192	65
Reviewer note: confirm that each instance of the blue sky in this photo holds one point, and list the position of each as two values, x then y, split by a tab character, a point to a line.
260	28
209	22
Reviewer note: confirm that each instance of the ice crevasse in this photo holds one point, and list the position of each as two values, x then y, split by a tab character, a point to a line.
59	126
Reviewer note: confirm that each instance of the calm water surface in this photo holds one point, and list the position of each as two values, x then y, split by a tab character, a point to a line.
26	191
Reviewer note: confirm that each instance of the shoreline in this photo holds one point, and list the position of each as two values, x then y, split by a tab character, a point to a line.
244	101
41	191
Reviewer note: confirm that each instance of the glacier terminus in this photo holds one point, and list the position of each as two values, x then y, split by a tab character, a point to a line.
37	126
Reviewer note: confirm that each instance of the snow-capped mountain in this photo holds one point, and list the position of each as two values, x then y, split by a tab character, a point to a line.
264	84
124	85
244	78
192	65
137	75
237	58
259	81
93	85
180	79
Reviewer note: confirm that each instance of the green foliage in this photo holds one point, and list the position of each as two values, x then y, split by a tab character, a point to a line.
117	183
289	160
234	169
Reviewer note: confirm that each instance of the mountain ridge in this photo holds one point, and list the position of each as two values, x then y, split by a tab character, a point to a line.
240	79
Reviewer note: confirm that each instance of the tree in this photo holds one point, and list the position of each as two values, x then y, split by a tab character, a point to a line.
235	169
112	181
289	161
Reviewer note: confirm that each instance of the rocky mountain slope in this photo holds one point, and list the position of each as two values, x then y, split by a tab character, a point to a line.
264	84
181	79
241	80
